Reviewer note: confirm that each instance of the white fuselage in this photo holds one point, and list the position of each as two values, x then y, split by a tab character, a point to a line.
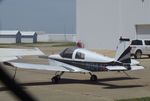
90	60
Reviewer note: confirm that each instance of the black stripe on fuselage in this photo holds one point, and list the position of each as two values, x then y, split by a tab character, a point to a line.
90	66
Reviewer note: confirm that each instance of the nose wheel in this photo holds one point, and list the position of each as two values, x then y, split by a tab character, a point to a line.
56	78
93	77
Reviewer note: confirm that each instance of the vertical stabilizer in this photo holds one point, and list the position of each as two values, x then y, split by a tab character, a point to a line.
123	54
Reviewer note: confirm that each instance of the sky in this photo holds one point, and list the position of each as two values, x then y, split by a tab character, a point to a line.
51	16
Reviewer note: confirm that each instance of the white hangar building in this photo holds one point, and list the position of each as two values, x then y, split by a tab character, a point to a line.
9	37
28	37
100	23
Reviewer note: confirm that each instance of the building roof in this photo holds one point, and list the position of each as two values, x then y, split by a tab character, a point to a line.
9	32
27	33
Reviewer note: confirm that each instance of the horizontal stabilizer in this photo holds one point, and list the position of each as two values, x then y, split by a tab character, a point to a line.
136	67
116	68
122	68
134	62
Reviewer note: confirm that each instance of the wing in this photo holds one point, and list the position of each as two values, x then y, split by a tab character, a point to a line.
36	66
122	68
44	67
7	54
11	52
3	59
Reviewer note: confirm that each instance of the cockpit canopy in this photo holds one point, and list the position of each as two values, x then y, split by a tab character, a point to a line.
68	52
76	53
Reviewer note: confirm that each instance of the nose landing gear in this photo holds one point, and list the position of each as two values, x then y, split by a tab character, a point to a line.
57	77
93	77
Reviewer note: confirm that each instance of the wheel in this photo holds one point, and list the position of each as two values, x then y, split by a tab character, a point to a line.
55	79
138	54
58	77
93	78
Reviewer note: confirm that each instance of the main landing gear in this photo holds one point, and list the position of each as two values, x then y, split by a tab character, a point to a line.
93	77
57	77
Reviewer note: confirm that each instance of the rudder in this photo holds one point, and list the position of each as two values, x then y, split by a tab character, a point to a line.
122	55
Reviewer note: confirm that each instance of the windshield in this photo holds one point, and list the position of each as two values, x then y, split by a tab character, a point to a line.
68	52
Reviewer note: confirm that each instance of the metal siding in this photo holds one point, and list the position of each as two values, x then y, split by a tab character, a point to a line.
100	23
43	37
7	40
7	36
26	40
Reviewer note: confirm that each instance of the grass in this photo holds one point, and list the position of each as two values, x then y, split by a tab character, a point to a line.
63	44
136	99
52	44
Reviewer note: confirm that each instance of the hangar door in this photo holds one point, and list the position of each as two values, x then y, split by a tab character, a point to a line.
143	29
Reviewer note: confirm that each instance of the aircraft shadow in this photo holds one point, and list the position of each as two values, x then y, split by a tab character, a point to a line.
102	82
141	58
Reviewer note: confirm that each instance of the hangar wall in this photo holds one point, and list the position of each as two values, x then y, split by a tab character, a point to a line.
100	23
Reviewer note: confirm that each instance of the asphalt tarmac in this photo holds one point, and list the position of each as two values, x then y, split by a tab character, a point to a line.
77	87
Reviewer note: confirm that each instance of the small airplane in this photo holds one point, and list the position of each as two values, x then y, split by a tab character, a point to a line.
7	54
80	60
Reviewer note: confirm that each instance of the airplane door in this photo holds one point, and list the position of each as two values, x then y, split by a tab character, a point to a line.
78	56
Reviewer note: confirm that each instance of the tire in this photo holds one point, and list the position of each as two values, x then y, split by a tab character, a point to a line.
55	80
58	77
93	78
138	54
